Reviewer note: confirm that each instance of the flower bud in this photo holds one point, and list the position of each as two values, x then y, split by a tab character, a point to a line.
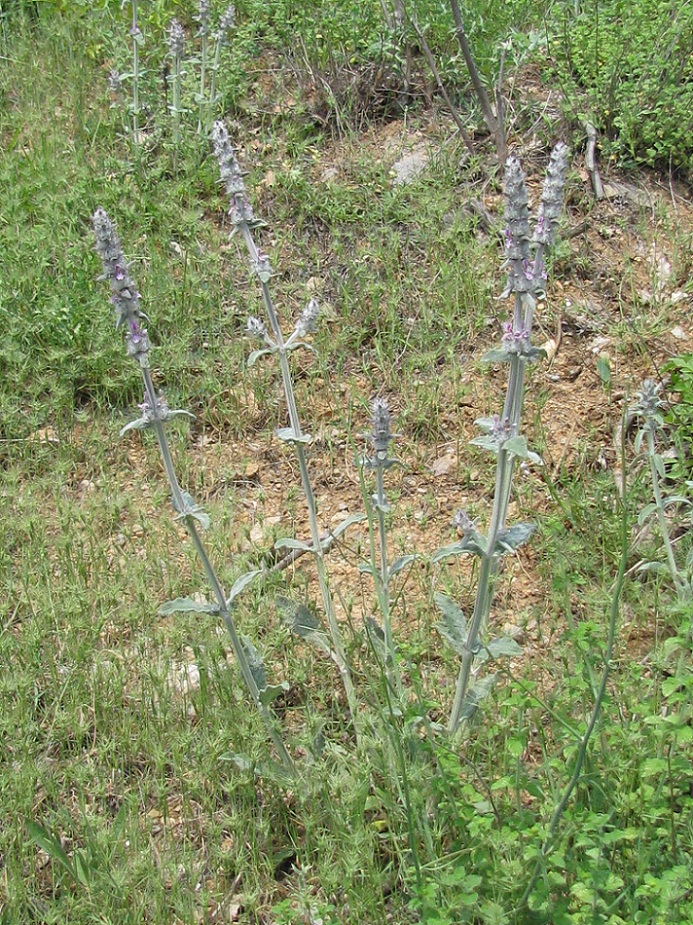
176	39
308	319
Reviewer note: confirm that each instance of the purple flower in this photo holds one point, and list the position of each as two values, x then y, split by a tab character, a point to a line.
124	295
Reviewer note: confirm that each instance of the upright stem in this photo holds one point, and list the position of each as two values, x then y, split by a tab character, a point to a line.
238	648
177	63
659	504
512	412
328	603
492	122
135	76
203	67
384	582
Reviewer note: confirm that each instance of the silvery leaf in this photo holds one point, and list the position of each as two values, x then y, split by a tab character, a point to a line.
401	563
496	355
270	693
255	663
504	646
479	692
473	545
288	435
486	442
139	424
453	627
510	539
191	509
240	584
256	354
347	522
289	542
367	569
302	622
187	605
377	638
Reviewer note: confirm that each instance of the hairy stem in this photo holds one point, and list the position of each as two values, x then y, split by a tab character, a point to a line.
237	645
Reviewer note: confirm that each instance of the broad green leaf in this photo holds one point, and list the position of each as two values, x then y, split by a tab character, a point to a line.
187	605
453	627
51	845
504	646
240	584
304	624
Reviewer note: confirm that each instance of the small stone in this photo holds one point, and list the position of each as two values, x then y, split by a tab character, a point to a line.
678	332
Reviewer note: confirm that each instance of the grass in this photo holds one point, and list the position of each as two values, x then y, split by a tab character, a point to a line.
102	745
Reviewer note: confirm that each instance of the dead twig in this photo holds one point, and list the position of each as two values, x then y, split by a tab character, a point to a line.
591	161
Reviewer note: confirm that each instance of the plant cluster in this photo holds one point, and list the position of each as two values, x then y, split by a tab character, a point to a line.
633	61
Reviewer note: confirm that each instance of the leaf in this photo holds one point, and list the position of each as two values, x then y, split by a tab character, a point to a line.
376	636
51	845
604	370
240	584
191	509
517	446
479	692
474	545
368	569
401	563
270	693
496	355
302	622
346	523
256	354
138	424
504	646
288	435
453	627
187	605
289	542
510	539
255	663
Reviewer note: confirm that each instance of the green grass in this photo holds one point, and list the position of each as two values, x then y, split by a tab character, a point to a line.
154	821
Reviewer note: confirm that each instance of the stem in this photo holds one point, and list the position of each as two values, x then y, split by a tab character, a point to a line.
547	845
203	66
238	648
318	550
135	76
661	516
176	103
213	79
492	122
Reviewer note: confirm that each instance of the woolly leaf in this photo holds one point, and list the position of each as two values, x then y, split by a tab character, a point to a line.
240	584
187	605
304	624
289	542
496	355
138	424
510	539
255	663
346	523
453	626
288	435
270	693
256	354
401	563
503	647
479	692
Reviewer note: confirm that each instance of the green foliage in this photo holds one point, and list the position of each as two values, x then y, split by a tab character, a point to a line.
634	62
